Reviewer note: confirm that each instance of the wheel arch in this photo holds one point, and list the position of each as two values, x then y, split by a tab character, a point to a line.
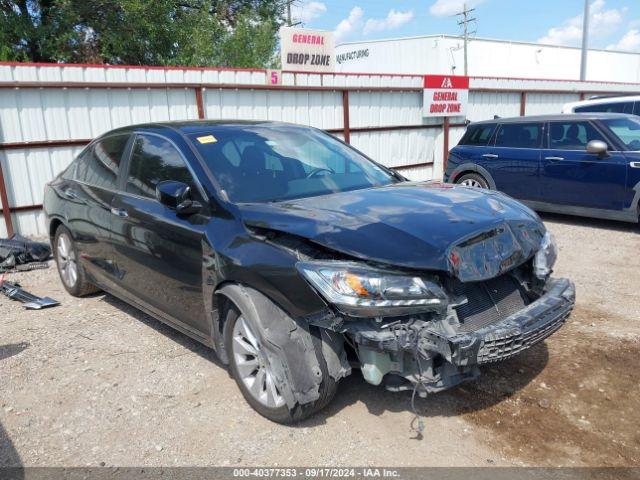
473	168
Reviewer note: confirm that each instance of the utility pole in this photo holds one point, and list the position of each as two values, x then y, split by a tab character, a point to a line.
464	23
290	23
585	41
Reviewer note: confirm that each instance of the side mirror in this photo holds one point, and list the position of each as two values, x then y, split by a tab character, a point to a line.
177	196
597	147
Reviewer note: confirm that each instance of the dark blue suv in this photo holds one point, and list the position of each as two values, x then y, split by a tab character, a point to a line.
581	164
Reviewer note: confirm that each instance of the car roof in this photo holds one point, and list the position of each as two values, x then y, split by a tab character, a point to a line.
557	117
194	126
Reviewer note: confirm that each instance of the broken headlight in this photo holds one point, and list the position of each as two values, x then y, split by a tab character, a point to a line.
360	290
546	257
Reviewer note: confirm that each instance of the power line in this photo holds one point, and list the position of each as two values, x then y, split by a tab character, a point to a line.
464	23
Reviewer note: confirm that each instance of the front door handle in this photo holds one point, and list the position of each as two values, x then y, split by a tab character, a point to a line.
635	164
554	159
490	155
119	212
69	193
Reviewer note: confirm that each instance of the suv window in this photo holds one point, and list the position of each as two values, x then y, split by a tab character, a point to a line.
99	164
617	107
153	160
478	134
519	135
572	135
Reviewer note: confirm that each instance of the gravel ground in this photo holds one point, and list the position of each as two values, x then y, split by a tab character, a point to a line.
95	382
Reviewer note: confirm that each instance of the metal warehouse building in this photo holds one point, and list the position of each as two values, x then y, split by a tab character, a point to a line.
444	54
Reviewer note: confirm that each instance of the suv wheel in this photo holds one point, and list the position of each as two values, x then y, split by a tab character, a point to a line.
250	368
71	272
473	180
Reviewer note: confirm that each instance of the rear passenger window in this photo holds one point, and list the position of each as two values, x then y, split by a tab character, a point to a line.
572	135
153	160
99	164
478	134
618	107
519	135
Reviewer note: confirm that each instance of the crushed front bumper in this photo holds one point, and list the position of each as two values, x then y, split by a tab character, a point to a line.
516	333
436	355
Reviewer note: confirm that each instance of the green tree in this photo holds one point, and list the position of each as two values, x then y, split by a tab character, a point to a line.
233	33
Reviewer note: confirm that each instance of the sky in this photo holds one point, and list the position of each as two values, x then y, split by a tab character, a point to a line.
615	24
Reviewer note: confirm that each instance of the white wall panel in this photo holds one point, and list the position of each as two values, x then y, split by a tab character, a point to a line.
548	103
485	105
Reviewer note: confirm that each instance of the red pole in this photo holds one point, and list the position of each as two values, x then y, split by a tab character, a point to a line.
345	112
200	103
523	104
445	153
6	210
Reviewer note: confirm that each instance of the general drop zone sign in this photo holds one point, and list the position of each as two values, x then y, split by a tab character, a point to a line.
305	50
445	96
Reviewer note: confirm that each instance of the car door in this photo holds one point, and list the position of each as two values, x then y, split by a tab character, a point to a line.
515	159
158	253
89	196
473	149
571	176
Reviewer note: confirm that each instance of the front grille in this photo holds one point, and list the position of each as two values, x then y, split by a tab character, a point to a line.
500	346
488	302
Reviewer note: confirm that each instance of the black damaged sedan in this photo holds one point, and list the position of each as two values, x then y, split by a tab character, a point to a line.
296	258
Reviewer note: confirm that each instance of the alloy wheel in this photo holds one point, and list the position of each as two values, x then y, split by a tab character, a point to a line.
471	182
66	257
253	367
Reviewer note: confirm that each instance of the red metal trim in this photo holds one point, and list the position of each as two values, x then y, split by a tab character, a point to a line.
6	209
582	95
200	103
523	104
445	141
24	208
345	116
222	86
43	144
138	67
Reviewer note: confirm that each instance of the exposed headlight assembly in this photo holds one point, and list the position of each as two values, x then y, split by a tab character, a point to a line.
546	257
362	291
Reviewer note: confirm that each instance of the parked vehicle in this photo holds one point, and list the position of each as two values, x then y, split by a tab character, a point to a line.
582	164
296	257
629	104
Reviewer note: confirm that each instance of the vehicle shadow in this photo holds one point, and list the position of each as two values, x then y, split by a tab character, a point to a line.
496	383
590	222
12	349
178	337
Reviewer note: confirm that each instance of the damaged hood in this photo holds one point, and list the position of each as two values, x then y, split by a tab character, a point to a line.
473	234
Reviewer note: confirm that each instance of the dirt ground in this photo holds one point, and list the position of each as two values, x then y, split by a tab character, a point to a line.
95	382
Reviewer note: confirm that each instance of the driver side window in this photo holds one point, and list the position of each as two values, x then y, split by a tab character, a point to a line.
153	160
572	135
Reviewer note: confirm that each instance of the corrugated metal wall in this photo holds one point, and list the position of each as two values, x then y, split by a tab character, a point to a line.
386	125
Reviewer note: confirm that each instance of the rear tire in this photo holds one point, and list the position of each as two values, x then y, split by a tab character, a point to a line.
246	362
70	270
473	180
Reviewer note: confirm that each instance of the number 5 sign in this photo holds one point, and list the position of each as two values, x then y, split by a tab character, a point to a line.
445	96
274	77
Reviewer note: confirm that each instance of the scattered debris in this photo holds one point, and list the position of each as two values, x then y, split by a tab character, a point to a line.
21	254
15	292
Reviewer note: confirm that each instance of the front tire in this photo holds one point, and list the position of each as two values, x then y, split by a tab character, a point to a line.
71	272
473	180
253	374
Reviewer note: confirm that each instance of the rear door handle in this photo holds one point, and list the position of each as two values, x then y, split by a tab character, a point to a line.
635	164
554	159
119	212
490	155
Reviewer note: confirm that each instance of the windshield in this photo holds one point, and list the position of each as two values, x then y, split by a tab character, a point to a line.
627	130
258	163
